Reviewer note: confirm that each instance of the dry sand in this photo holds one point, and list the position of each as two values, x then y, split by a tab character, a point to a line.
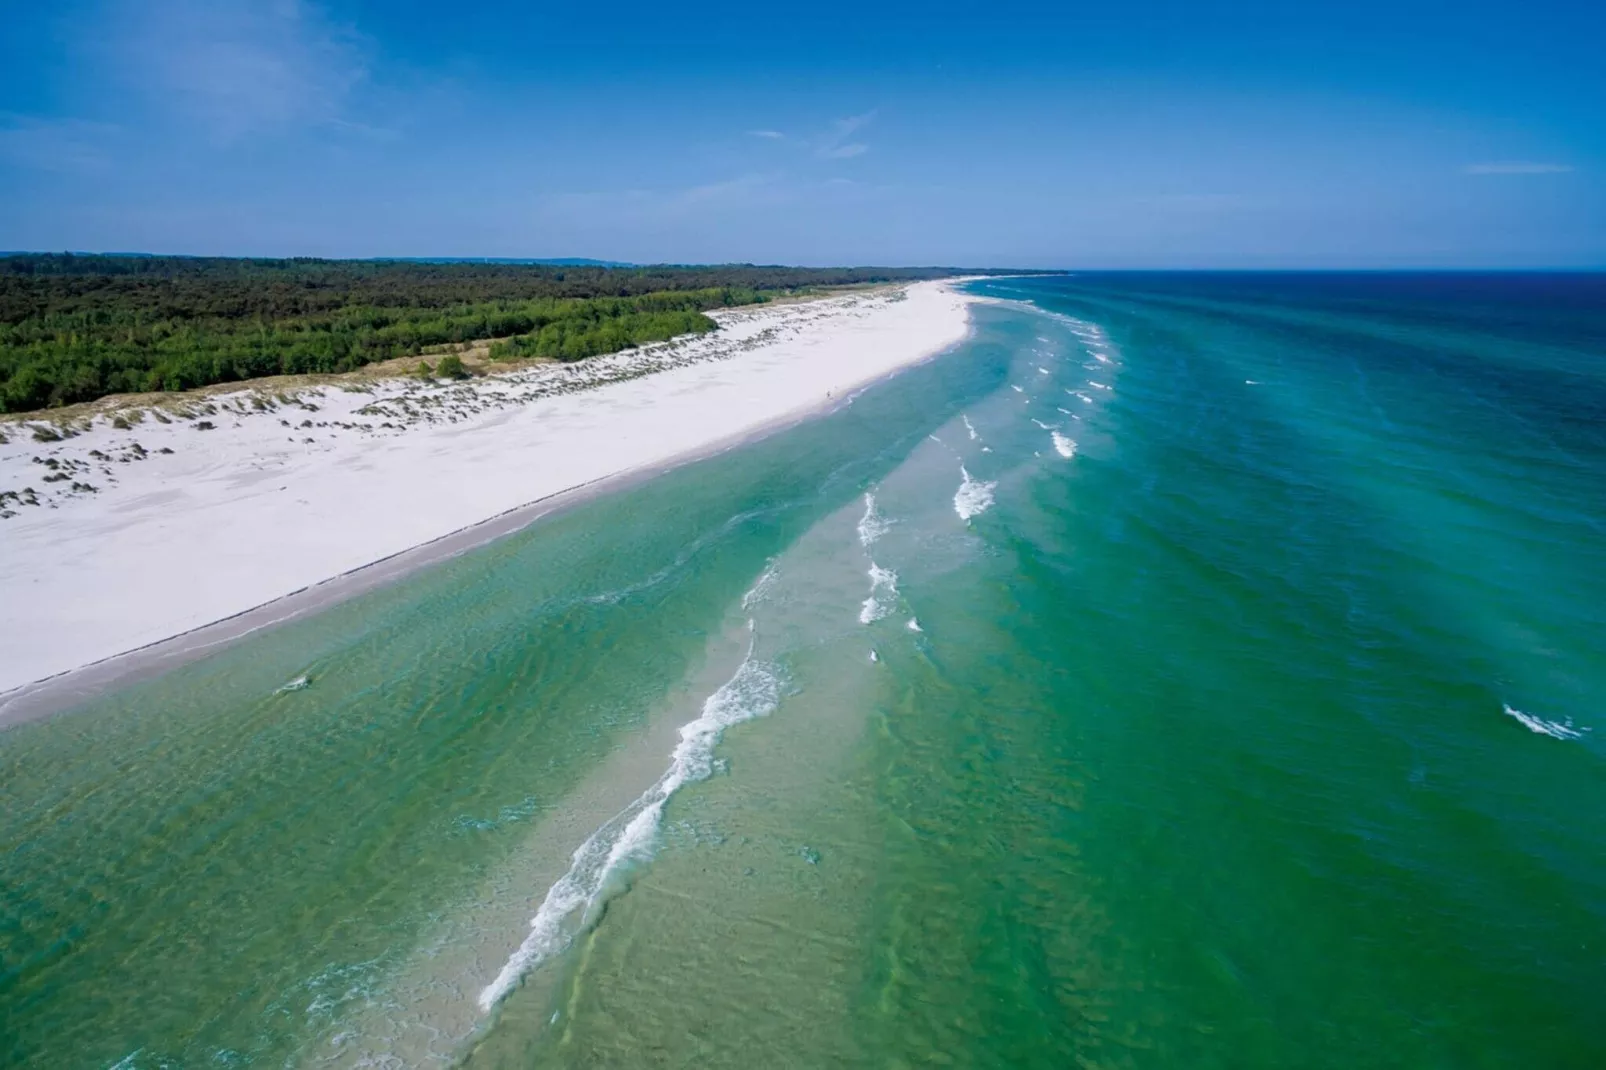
188	525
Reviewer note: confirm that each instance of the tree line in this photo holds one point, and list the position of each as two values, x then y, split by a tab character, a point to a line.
75	328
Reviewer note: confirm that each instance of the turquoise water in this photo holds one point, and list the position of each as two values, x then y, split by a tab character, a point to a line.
1184	671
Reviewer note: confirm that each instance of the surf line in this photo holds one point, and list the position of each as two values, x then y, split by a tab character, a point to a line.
570	906
883	581
974	496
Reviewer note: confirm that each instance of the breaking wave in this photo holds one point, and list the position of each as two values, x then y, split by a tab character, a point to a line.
760	588
872	525
974	496
1553	729
883	594
571	904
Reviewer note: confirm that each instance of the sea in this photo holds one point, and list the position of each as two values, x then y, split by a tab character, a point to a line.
1185	670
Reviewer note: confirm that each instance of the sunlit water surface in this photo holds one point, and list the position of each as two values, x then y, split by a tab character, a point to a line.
1184	671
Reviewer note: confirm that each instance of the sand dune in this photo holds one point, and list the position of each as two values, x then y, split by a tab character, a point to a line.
120	537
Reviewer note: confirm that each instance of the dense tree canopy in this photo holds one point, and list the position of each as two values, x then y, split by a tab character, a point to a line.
75	328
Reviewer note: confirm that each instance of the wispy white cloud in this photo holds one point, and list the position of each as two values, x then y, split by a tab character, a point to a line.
63	145
844	128
1191	202
835	144
239	66
1517	167
738	188
663	205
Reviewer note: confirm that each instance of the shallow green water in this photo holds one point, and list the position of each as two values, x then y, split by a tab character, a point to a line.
1206	751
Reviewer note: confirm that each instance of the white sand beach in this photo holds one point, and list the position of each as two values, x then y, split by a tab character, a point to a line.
120	537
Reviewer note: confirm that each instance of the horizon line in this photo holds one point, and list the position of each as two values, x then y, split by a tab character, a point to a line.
600	262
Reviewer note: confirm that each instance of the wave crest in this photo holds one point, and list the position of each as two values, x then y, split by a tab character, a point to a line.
570	904
1540	726
974	496
872	525
883	594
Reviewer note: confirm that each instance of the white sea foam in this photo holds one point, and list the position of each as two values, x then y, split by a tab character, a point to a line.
872	525
300	683
1553	729
913	625
649	406
974	496
1065	446
1039	423
874	656
1094	340
1042	369
1251	382
1017	389
760	588
968	427
1080	396
883	594
1097	386
570	904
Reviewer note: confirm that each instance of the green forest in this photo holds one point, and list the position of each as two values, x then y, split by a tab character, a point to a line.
75	328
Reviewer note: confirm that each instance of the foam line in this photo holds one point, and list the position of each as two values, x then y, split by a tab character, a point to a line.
1540	726
570	904
883	594
974	496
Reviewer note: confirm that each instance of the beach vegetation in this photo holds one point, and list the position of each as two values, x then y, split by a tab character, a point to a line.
77	328
599	326
451	367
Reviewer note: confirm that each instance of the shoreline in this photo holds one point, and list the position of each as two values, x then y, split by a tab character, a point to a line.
76	684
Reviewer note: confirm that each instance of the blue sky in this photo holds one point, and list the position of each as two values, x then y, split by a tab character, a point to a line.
1134	134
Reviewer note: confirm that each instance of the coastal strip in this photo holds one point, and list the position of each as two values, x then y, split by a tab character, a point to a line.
196	536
